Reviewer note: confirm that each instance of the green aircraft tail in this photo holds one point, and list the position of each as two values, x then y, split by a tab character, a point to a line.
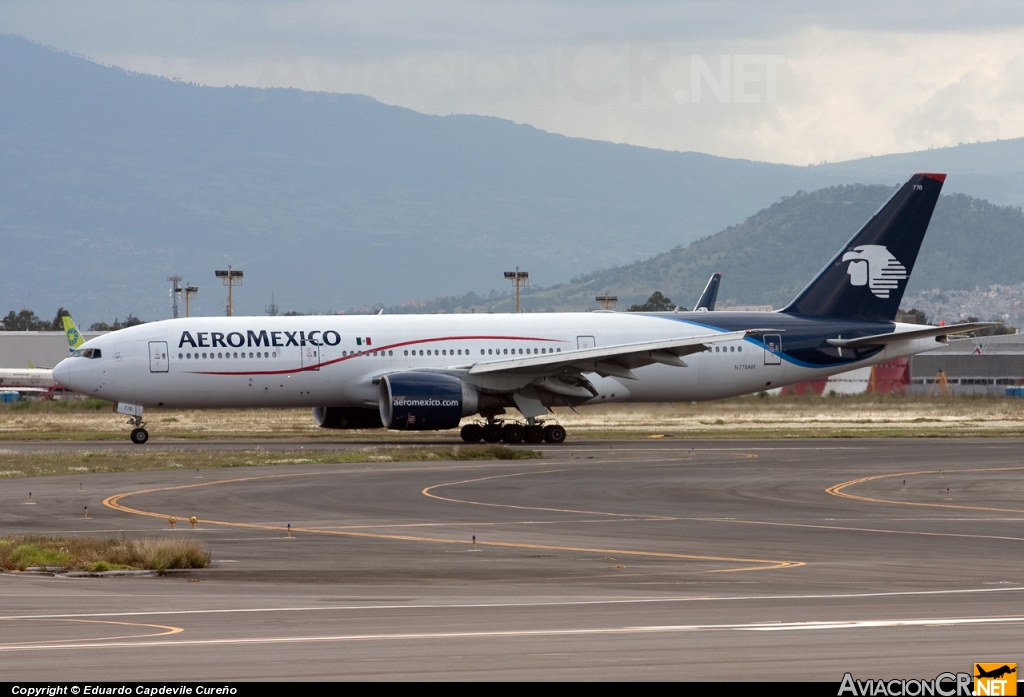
74	336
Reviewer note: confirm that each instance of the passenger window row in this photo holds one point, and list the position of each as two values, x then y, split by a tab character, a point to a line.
422	352
483	352
229	354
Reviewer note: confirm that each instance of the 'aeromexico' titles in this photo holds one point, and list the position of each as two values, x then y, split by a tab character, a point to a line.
261	338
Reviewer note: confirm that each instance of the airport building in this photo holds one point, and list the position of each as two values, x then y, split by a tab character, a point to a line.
985	365
982	366
42	349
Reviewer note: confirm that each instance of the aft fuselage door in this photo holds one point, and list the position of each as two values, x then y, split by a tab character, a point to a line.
772	349
585	342
158	360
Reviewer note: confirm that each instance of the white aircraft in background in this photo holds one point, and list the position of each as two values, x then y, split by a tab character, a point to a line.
33	380
429	372
26	380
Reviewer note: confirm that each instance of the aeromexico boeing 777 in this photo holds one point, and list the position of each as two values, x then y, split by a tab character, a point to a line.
429	372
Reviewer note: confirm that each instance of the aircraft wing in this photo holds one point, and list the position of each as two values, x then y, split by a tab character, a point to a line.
882	339
616	360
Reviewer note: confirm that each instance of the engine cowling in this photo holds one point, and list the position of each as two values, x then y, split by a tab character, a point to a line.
346	417
425	401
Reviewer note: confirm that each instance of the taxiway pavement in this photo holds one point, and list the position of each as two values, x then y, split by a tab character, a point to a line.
660	559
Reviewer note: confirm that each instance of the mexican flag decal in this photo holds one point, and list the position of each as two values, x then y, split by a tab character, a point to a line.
360	341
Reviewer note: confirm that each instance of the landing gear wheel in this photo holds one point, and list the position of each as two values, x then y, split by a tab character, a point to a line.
140	436
554	434
533	434
472	433
512	433
492	433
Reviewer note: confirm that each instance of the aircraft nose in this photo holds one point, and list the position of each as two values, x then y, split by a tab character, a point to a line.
62	373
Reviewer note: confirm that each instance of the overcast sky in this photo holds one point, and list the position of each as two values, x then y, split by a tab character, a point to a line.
796	82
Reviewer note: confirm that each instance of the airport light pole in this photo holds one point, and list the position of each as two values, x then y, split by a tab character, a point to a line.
175	292
231	279
607	300
520	279
190	292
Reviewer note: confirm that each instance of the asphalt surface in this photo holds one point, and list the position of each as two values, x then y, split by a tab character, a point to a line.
643	560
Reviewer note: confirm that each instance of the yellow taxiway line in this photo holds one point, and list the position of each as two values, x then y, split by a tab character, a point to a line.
838	489
749	564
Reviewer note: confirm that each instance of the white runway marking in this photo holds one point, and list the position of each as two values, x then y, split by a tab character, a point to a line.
565	603
412	636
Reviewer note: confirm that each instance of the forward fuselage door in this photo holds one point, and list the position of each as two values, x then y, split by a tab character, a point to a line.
158	360
585	342
772	349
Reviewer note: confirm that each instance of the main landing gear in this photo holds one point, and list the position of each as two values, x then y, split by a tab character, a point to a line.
512	432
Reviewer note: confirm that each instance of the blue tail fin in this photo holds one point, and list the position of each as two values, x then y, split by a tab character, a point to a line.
866	279
710	294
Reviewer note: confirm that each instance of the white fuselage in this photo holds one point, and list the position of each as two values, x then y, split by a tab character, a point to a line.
315	361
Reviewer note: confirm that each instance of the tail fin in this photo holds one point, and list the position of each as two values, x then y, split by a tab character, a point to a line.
710	294
74	336
866	279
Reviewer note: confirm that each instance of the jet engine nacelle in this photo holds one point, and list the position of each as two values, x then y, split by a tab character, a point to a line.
425	401
346	417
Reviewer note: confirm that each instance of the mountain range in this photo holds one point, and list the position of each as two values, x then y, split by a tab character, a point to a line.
113	180
768	258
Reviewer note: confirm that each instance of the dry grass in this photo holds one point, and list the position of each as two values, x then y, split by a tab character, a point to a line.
18	553
18	464
806	417
753	416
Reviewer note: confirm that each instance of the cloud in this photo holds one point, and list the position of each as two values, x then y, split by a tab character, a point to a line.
789	82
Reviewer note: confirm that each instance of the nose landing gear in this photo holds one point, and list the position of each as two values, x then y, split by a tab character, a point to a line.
134	412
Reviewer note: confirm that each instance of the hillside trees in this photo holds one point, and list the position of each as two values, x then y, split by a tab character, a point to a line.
656	303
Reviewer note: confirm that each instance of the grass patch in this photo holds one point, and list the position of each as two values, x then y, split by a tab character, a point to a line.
21	552
493	452
17	464
163	554
59	405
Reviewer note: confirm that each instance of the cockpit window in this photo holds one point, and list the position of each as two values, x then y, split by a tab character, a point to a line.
87	353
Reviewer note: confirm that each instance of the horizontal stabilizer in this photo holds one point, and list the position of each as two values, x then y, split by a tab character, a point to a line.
882	339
